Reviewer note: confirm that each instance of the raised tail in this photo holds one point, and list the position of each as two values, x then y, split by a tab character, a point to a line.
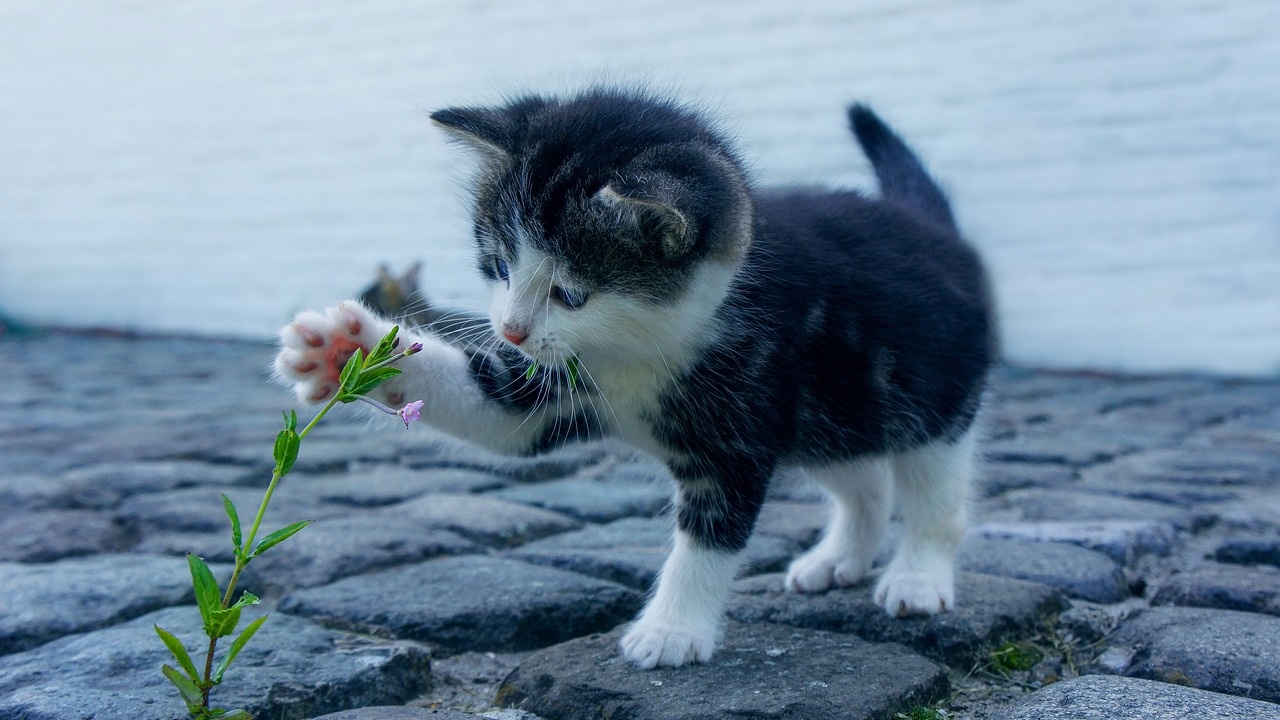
903	179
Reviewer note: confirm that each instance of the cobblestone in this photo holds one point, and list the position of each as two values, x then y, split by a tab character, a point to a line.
761	671
1128	526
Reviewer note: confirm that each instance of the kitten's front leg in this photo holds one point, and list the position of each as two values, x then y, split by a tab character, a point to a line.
681	623
486	397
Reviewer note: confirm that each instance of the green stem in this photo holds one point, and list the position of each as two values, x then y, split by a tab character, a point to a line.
241	560
262	509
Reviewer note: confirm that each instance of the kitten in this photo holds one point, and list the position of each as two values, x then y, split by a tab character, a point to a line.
644	289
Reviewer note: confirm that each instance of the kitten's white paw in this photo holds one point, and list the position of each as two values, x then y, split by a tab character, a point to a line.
822	569
652	644
907	592
315	347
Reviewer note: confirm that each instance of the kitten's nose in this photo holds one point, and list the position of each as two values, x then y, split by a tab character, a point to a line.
514	333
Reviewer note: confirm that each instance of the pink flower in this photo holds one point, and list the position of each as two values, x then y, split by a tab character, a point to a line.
414	348
411	413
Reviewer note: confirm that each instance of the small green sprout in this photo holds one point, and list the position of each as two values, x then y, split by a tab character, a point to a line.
1015	657
220	616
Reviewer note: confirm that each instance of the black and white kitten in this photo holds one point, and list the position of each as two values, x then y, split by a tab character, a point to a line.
663	300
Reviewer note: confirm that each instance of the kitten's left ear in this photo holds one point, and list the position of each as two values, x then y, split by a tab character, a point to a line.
497	132
650	200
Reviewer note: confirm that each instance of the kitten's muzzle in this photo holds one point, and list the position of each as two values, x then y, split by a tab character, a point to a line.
514	333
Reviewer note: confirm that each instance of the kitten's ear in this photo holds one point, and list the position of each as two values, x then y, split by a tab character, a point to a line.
494	131
650	202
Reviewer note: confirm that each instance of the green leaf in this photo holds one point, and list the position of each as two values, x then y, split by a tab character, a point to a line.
383	349
290	420
179	653
236	646
246	599
206	587
533	369
236	538
278	537
286	450
350	374
190	693
573	370
371	379
225	622
235	715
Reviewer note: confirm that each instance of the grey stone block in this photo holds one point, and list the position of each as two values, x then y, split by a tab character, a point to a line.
1076	571
429	449
1063	505
133	478
990	610
1219	650
1087	624
367	486
1076	446
760	671
1121	540
1099	697
1195	466
469	603
44	535
201	509
631	551
624	491
47	601
1227	587
397	713
486	520
1249	551
23	493
997	478
333	548
291	669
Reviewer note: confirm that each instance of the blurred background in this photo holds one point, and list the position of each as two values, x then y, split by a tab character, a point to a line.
210	168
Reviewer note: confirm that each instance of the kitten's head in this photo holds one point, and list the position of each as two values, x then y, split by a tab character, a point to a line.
606	223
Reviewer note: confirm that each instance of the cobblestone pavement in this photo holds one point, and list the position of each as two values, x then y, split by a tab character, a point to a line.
1124	556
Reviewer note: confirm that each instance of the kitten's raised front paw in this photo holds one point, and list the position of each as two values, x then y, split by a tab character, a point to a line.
904	593
822	569
315	347
653	644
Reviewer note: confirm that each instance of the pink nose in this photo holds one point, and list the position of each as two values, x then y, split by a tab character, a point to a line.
514	333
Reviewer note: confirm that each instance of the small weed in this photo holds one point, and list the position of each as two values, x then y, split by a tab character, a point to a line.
922	712
1015	657
221	617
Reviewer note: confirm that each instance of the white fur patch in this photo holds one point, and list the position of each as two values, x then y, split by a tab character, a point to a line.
862	496
682	621
933	485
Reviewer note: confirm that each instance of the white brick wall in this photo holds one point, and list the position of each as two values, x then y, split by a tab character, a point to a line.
212	167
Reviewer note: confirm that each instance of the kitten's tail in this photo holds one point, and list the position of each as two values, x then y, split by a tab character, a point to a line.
903	179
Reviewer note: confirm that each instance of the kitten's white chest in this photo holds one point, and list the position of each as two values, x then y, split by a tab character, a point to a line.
628	401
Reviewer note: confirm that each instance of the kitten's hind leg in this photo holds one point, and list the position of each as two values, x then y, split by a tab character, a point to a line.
933	488
862	493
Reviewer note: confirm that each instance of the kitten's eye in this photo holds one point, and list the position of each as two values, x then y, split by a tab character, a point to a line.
500	267
568	298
